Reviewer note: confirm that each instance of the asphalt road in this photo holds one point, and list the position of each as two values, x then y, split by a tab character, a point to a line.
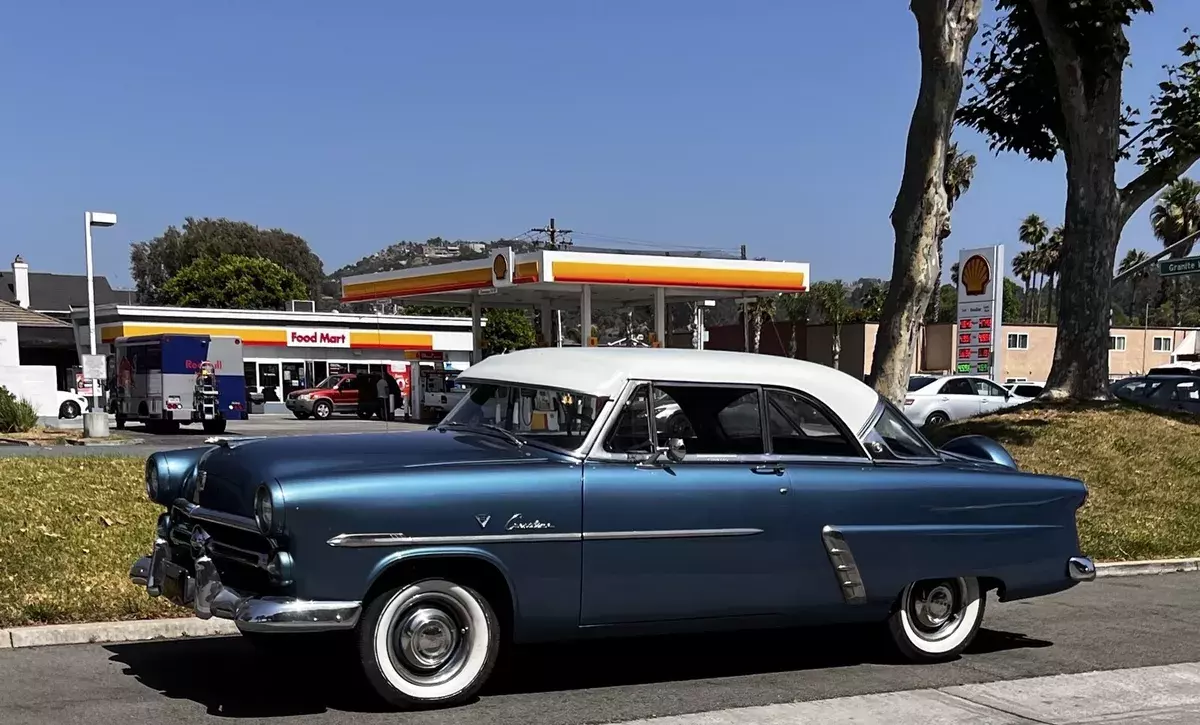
193	435
1108	624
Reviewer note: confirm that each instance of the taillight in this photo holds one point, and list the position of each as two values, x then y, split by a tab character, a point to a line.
235	405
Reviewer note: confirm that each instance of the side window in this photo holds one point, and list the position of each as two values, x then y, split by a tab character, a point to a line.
631	433
987	387
895	438
958	386
710	420
797	428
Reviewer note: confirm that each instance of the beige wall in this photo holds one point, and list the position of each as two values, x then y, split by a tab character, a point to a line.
1033	361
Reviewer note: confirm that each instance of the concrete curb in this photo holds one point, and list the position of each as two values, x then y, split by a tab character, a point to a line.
105	441
104	632
18	442
1139	568
151	629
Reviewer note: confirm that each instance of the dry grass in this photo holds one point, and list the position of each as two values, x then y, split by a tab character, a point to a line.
1142	469
70	528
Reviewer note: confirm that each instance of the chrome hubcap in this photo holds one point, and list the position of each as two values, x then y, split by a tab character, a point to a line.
935	607
428	637
430	640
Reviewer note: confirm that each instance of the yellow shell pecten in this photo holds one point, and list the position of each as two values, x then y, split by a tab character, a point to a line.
976	275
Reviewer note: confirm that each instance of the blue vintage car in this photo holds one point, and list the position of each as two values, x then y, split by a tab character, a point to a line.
607	492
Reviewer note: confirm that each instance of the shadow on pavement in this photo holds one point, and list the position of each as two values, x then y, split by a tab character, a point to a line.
233	679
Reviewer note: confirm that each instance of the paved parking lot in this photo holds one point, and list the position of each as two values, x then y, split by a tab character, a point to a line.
258	425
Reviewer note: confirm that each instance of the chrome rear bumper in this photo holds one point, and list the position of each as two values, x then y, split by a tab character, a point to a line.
1081	569
208	597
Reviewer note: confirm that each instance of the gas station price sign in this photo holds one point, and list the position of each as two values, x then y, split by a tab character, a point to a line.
980	285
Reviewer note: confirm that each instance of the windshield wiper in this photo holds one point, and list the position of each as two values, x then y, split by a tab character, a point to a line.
509	435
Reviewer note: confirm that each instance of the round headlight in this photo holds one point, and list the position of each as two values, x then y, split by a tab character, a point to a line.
152	479
264	509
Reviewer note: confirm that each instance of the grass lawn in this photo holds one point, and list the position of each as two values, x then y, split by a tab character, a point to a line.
1142	469
69	530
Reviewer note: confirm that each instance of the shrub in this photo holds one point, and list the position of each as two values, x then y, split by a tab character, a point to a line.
16	415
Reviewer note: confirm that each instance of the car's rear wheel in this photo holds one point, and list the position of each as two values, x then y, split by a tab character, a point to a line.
215	426
322	409
937	418
937	619
431	643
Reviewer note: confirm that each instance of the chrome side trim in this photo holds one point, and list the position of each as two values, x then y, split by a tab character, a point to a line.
221	518
365	540
1081	569
383	539
667	534
854	591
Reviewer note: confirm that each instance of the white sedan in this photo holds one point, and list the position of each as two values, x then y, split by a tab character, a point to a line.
71	404
937	400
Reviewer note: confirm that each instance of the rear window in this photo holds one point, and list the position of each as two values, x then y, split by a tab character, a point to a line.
1028	391
918	383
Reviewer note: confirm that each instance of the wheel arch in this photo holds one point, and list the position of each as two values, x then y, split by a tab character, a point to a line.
476	568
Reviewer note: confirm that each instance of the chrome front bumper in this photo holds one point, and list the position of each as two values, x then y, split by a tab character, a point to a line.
1081	569
208	597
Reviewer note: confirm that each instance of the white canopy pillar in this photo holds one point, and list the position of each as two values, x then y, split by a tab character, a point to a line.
585	315
476	331
660	315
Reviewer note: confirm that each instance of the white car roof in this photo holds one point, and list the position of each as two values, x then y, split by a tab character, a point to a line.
604	371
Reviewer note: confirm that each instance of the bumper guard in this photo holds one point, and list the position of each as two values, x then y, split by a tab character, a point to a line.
208	597
1081	569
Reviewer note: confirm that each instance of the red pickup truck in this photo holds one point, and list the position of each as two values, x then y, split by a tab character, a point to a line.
334	394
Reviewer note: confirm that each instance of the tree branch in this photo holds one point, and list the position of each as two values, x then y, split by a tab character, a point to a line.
1065	56
1138	192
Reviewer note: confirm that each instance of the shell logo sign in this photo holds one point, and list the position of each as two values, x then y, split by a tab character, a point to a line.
976	274
502	268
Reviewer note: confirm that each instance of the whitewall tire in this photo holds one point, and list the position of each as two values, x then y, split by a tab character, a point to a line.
431	643
937	619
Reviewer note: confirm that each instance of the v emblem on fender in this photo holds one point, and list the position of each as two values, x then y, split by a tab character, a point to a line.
483	520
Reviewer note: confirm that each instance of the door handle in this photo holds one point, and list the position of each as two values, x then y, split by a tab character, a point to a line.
769	469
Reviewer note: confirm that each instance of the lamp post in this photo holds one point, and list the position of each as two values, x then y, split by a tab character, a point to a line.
95	423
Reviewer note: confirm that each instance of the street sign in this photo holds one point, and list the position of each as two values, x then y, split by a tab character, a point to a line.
980	311
94	367
1175	267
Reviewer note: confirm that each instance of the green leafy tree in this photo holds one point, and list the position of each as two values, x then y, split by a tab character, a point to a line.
234	282
920	216
154	262
1049	80
1012	301
507	330
832	303
1175	217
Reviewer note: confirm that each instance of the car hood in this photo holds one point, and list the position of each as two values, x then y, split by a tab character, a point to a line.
235	469
303	391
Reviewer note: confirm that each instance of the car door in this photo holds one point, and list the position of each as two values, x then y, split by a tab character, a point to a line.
705	536
345	395
992	397
959	399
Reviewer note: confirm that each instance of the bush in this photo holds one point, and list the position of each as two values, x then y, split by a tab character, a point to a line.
16	416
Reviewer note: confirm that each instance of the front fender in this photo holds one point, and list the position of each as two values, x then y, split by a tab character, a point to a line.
396	558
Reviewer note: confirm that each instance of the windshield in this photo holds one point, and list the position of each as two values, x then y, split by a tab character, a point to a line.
329	382
543	416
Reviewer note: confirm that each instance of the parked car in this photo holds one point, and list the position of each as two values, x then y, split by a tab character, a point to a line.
935	401
71	404
553	502
1180	393
1025	389
334	394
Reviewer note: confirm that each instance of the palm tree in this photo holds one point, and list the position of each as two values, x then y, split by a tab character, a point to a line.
1175	216
1131	259
1032	232
954	275
1022	265
957	175
1050	258
761	310
794	309
833	303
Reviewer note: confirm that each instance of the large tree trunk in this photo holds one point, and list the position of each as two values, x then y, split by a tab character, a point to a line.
837	346
945	29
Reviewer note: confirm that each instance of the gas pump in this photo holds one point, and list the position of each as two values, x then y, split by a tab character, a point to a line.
416	390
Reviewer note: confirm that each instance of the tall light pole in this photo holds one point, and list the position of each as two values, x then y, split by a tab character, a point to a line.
94	219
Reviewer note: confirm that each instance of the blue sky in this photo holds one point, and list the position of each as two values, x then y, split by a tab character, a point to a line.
686	122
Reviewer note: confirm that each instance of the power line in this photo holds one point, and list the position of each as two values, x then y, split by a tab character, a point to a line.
553	232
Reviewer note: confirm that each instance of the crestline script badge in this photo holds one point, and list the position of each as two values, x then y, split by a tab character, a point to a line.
517	523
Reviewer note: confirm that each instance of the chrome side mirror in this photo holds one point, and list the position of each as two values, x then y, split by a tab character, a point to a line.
674	452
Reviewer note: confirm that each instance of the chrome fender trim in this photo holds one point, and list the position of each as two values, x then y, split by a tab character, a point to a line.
854	591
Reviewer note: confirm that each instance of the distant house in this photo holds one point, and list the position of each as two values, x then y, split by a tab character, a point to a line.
55	294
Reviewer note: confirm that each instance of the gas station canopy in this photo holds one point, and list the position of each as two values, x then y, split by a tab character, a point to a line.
558	279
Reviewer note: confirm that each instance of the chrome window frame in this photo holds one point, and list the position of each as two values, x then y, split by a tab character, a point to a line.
597	453
873	420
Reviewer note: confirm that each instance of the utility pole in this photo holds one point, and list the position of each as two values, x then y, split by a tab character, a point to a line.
553	232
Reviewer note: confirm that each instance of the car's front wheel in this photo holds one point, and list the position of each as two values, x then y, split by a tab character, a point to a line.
322	410
69	409
300	414
431	643
937	619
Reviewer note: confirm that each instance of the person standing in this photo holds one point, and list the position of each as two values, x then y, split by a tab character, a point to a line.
384	394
